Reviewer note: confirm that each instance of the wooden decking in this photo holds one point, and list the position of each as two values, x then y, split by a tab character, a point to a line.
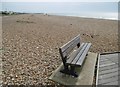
108	69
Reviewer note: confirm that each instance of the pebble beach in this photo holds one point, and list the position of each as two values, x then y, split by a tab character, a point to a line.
31	42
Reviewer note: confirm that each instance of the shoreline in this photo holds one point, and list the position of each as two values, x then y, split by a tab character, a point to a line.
63	15
101	18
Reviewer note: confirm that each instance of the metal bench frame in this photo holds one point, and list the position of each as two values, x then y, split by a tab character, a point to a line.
70	61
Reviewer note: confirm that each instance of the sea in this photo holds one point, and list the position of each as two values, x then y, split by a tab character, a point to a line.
108	16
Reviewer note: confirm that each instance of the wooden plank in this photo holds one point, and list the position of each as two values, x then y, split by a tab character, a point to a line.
97	77
111	59
105	76
108	71
109	56
108	67
79	54
107	53
105	59
104	81
67	45
112	83
105	62
80	61
114	60
73	55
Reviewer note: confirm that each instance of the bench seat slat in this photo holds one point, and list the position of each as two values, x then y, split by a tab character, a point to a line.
74	54
80	61
79	54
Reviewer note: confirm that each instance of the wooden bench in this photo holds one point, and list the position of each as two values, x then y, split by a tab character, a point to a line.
73	54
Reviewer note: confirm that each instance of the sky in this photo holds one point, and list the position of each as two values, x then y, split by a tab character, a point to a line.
60	6
93	7
60	0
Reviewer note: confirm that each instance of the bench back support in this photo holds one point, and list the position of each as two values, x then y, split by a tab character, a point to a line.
68	47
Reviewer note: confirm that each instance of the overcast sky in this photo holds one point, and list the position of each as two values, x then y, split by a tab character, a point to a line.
59	0
60	7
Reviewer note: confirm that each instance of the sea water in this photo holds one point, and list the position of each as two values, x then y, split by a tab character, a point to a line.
109	16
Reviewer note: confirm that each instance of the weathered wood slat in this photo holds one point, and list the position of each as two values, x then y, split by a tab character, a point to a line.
112	83
105	59
109	75
108	67
110	56
105	62
79	54
105	81
108	71
69	49
80	61
97	76
67	45
72	56
113	59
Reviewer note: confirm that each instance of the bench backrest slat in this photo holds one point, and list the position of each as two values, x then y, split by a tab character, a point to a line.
68	47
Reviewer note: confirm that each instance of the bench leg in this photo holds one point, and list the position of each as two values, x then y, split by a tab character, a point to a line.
65	70
73	73
70	71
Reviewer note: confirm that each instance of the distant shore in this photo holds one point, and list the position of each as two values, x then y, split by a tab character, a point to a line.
31	43
9	13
